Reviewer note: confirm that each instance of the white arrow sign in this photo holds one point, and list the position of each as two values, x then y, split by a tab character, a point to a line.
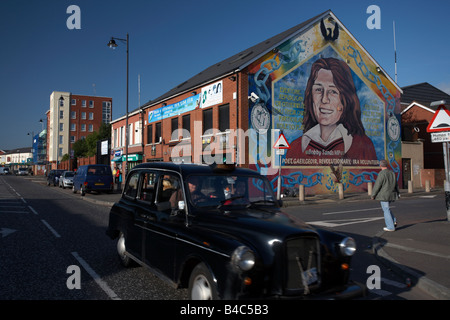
5	232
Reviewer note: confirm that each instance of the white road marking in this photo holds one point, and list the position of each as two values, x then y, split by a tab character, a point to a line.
32	210
102	284
336	223
56	234
358	210
430	253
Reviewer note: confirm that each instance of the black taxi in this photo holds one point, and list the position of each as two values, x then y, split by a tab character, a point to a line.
219	231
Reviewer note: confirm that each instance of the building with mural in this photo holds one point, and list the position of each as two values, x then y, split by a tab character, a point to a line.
314	83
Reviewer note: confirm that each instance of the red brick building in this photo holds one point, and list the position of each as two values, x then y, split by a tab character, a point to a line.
235	110
72	117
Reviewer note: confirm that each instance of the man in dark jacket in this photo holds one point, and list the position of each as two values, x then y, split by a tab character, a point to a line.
386	190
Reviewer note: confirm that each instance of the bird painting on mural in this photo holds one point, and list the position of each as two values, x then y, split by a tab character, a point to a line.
327	33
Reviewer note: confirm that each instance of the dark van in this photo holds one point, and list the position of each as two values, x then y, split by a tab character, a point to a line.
93	177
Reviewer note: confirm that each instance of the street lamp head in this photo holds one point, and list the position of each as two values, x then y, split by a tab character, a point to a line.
112	44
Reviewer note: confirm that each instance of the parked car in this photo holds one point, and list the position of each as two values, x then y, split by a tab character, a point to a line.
66	179
22	172
219	231
4	170
93	177
53	177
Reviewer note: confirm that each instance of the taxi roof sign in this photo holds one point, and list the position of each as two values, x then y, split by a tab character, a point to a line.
440	121
281	143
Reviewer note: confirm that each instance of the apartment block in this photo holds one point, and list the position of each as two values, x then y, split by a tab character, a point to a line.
72	117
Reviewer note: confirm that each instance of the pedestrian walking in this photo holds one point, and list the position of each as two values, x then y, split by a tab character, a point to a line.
386	191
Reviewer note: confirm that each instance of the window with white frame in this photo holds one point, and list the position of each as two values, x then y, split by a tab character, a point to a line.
83	127
106	111
91	116
83	103
91	103
61	127
73	114
83	115
73	127
91	128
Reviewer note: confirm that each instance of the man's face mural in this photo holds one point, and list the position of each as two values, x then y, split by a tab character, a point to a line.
326	97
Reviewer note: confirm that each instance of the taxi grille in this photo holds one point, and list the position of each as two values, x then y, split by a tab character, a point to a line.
303	265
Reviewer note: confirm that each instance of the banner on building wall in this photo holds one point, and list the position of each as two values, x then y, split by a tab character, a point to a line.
174	109
212	94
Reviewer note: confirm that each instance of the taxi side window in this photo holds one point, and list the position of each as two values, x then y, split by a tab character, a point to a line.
169	193
132	185
147	187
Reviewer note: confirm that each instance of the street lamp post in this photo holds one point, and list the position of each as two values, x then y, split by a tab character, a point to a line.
112	44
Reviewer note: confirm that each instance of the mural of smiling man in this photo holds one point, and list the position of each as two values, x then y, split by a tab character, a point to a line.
326	94
332	119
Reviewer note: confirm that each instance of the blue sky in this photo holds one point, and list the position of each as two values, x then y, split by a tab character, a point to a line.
172	40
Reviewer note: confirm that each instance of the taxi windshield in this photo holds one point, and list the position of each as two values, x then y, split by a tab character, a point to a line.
227	190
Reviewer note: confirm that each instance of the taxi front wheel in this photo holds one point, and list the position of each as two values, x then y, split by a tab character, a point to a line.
201	284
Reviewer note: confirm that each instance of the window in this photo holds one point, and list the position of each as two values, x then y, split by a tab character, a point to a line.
106	111
174	124
61	114
91	104
91	116
131	187
73	115
83	127
60	139
61	127
149	134
61	102
169	193
207	120
83	115
83	103
186	126
147	187
72	139
224	126
73	127
91	128
74	102
224	118
158	137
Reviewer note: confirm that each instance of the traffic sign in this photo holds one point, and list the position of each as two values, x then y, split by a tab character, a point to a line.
440	121
440	136
281	143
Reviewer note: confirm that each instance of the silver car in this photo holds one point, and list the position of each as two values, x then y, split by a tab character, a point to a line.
66	179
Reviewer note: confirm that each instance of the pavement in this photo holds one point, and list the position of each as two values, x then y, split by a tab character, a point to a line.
418	252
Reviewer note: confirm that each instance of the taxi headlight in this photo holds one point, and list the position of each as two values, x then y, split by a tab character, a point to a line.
347	246
243	258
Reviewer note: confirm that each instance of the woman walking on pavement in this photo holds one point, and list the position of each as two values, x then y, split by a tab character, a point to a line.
386	191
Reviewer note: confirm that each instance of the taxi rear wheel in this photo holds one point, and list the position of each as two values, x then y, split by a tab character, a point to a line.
201	284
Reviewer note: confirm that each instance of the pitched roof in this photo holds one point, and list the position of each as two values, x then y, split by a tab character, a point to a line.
236	62
423	93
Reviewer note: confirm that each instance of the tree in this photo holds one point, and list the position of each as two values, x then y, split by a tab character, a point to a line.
88	147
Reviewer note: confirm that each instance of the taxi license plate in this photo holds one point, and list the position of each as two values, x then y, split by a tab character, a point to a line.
310	276
99	184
